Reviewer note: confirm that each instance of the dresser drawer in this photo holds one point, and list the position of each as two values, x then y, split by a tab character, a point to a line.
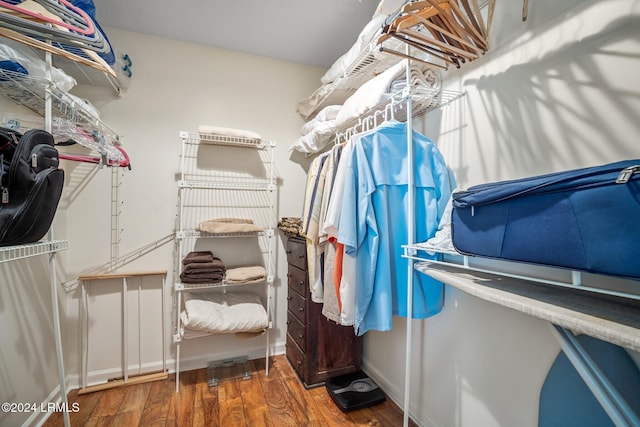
296	358
297	252
297	280
296	331
296	305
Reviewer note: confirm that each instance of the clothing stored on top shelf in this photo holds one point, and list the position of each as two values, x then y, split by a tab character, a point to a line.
366	211
373	96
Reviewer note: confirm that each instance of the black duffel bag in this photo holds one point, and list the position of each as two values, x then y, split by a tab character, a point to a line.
31	185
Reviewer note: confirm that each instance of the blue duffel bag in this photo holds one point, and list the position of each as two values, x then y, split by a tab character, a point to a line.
584	219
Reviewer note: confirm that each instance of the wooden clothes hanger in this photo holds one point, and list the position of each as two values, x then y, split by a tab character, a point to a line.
452	31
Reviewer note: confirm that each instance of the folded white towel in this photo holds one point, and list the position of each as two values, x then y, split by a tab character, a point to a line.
205	130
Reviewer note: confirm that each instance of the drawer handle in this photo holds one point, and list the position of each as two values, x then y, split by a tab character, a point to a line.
301	256
288	251
300	336
288	322
301	309
301	282
289	274
289	298
299	362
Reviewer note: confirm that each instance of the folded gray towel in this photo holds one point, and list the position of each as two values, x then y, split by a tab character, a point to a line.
216	266
198	256
201	278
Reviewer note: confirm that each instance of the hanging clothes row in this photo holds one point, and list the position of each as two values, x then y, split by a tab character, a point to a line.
354	220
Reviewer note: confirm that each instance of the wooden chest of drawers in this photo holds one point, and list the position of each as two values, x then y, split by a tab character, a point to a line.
317	348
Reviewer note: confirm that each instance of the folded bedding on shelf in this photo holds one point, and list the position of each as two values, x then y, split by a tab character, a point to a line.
377	92
229	225
227	313
328	113
209	131
317	132
246	275
308	106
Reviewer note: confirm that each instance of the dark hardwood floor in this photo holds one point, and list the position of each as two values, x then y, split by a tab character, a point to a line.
276	400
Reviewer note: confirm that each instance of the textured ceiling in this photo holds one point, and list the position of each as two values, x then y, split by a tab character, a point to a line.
311	32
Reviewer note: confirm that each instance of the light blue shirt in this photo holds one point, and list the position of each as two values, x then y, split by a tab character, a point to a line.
373	222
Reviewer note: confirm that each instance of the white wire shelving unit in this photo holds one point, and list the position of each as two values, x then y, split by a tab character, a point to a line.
225	177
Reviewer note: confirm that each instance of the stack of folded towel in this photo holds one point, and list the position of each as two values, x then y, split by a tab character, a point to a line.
246	275
202	267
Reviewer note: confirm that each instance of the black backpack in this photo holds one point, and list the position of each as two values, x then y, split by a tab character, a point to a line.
31	185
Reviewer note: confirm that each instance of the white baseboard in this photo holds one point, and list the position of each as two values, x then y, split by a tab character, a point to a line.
104	375
51	403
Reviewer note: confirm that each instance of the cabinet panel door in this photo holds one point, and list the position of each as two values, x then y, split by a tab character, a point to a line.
296	305
297	280
296	331
297	359
297	253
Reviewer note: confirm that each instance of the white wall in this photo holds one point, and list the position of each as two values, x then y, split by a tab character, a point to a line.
557	92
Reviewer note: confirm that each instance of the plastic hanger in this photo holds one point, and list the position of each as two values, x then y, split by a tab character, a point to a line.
38	13
91	40
95	61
